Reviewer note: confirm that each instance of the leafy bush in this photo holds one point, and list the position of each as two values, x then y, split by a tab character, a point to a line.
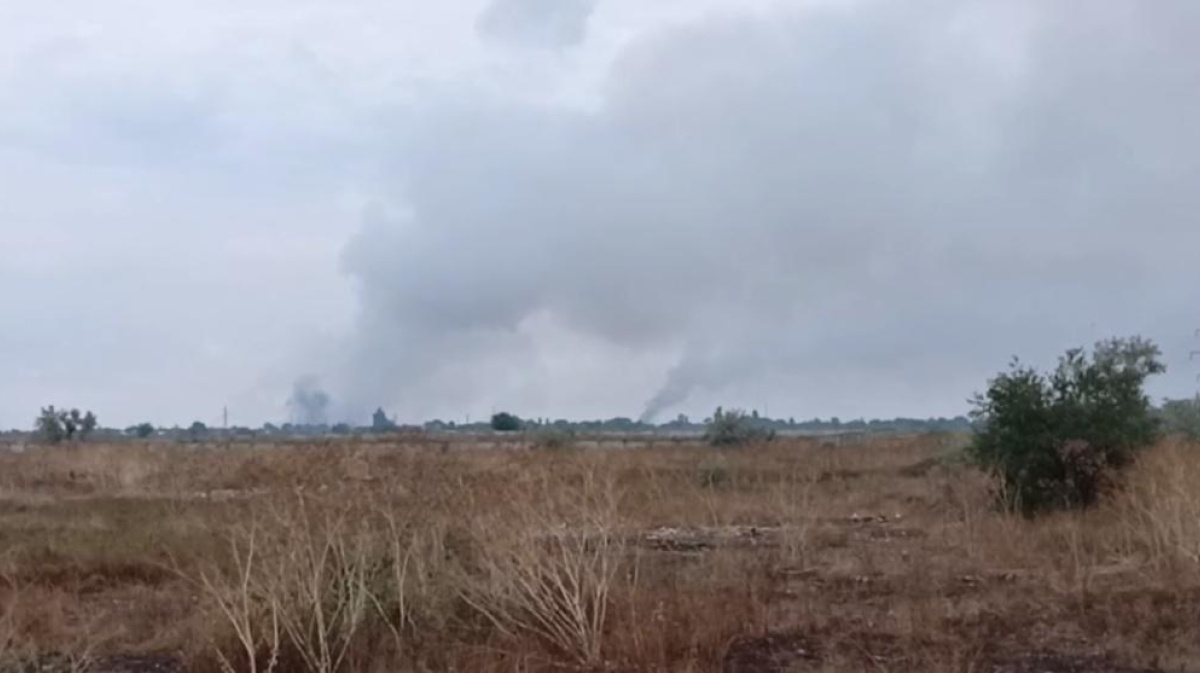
1055	440
735	428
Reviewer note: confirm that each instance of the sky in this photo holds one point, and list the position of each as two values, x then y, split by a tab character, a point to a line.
585	208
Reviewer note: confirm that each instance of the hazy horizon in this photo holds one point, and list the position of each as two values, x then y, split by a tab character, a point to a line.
585	208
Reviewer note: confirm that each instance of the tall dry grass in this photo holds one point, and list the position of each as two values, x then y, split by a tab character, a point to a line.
887	554
1160	506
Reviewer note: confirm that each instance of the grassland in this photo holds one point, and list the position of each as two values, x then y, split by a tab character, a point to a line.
878	555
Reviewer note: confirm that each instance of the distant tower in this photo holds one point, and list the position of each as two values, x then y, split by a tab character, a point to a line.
225	417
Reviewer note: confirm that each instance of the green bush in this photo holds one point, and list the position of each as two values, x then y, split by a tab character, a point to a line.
1056	440
735	428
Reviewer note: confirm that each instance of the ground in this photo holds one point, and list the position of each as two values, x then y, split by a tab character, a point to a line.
412	553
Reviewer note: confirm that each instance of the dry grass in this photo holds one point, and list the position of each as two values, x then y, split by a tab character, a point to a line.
881	554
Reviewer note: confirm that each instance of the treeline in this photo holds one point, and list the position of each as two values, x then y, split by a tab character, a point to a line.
49	432
683	424
56	425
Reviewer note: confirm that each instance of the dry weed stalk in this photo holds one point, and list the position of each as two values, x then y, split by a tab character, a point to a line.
550	578
320	583
301	584
415	592
238	601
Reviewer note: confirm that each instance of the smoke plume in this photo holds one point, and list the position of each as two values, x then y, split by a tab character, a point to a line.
826	208
309	404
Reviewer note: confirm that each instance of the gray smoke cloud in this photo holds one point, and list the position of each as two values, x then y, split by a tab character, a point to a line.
873	199
546	24
309	403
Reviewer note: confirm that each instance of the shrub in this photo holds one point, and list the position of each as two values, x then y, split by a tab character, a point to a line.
1056	439
735	428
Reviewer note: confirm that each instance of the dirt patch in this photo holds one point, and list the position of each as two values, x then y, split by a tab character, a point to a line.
798	652
153	663
1049	662
769	654
99	576
141	664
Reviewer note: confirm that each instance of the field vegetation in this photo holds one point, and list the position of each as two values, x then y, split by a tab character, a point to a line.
871	554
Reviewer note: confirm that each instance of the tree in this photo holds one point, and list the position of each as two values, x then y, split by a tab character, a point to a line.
58	425
197	431
505	422
1056	440
88	425
71	420
141	431
49	426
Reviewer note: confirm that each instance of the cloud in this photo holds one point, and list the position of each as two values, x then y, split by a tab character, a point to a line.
819	202
828	207
545	24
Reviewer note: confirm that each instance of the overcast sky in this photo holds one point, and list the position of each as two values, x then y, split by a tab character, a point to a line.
586	208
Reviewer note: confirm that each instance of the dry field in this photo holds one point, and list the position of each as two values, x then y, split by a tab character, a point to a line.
882	555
